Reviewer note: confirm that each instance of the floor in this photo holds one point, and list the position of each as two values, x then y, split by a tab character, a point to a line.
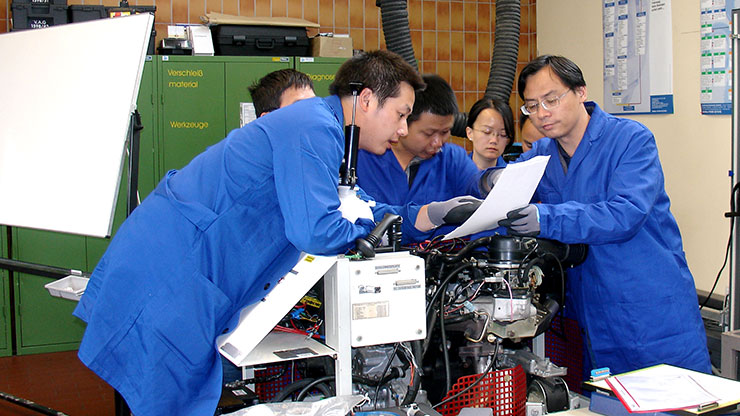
57	381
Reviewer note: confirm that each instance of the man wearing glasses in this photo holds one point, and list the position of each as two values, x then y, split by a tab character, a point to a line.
634	296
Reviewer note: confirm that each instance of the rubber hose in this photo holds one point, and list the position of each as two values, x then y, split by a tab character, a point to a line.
395	18
505	50
291	388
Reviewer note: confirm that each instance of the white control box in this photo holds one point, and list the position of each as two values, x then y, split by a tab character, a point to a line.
386	298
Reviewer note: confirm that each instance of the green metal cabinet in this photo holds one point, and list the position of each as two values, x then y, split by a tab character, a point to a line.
200	101
5	347
192	108
44	323
320	70
241	72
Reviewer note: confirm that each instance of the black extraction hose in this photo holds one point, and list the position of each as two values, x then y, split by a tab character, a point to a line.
395	17
505	50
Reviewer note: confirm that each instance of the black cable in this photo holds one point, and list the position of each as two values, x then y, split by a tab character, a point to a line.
562	277
443	333
413	390
257	380
447	258
318	384
475	383
444	283
385	370
731	215
290	389
430	326
432	317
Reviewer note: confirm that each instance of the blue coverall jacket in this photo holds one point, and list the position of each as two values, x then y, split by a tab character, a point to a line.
211	239
634	295
500	162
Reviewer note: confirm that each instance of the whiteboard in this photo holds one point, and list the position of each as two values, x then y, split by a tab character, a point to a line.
67	96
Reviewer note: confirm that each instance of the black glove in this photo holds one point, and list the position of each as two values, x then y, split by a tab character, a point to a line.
453	211
523	221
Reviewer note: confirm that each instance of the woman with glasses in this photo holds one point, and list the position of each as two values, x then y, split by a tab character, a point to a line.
490	128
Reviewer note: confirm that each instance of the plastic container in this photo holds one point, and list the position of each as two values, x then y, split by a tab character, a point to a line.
38	15
44	2
70	287
247	40
84	12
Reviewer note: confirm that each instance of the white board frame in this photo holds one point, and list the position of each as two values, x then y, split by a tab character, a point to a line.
68	93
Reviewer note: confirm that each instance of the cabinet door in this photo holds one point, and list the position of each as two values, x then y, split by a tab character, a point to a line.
320	70
45	323
191	108
147	161
241	72
5	349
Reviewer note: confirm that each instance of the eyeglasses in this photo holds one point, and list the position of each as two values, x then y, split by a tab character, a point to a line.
491	133
548	104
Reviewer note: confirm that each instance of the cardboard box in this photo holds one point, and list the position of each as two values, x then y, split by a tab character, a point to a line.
331	46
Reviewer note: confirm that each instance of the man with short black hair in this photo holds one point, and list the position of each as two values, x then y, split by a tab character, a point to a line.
279	89
422	167
529	132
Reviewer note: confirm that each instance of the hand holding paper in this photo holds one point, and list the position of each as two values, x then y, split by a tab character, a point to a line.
514	189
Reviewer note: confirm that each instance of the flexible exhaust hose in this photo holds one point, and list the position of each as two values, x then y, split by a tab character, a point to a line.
505	47
395	18
505	50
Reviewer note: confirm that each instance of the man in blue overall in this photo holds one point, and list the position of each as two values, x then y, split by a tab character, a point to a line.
634	296
218	234
422	167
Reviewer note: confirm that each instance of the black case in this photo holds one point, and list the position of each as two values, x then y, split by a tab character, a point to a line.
248	40
84	12
37	15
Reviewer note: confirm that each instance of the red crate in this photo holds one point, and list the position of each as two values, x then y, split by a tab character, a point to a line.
566	352
504	391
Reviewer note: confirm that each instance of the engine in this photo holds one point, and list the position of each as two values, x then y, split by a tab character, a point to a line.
486	299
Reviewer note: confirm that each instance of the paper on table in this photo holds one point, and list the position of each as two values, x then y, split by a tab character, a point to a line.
514	189
643	392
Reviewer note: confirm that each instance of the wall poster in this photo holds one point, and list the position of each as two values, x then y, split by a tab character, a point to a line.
638	57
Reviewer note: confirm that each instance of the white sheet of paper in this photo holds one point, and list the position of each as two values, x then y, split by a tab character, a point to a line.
513	190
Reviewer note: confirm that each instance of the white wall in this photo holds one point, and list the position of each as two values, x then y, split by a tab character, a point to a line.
694	149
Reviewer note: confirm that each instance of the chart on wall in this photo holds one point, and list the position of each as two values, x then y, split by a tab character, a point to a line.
716	56
638	56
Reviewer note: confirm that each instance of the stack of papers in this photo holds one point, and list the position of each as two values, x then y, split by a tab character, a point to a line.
643	392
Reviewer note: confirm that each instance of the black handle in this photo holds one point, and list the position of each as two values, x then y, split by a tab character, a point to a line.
367	245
